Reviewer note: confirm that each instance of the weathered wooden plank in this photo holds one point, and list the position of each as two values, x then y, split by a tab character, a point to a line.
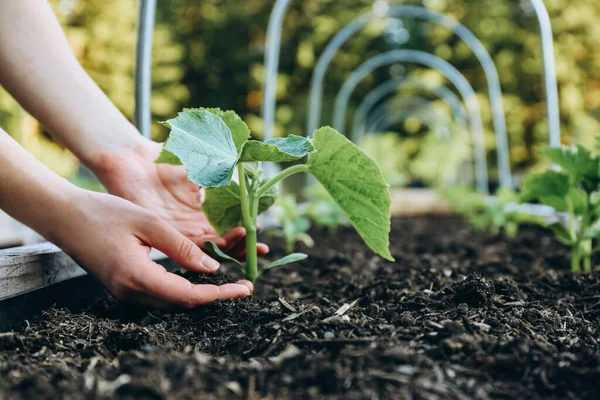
27	268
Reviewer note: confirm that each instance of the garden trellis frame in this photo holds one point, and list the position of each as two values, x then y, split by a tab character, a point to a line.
451	73
394	85
417	107
273	47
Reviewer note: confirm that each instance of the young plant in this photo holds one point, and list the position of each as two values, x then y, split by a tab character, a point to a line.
572	187
294	224
491	214
211	144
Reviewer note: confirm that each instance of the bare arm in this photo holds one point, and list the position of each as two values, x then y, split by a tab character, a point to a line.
39	69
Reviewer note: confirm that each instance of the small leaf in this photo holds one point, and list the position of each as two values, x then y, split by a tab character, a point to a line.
203	143
291	258
356	184
166	157
211	247
239	130
222	206
545	185
578	163
291	148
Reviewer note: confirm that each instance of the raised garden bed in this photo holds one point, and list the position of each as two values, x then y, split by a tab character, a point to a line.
459	315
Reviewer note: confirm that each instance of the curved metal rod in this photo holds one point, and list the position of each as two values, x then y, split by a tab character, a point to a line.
393	85
455	77
142	116
272	50
407	104
549	72
460	30
427	116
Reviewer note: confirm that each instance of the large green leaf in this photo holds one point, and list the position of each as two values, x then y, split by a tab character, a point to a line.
287	149
204	144
239	130
356	184
222	206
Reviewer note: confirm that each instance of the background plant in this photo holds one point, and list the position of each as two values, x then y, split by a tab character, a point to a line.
493	214
573	188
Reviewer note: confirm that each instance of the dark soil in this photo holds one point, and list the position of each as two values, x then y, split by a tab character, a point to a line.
459	315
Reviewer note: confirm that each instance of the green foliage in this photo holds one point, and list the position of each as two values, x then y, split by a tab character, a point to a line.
575	190
490	214
206	146
294	223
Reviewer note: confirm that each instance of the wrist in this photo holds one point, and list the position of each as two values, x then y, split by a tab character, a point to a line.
115	162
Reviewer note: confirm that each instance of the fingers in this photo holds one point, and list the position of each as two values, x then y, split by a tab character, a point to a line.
236	244
156	287
170	289
180	249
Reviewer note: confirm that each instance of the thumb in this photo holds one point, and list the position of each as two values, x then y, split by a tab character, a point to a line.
160	235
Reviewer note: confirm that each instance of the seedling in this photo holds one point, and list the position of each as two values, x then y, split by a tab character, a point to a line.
572	187
490	214
211	144
294	224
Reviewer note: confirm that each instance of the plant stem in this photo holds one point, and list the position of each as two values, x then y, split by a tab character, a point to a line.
283	174
249	214
575	260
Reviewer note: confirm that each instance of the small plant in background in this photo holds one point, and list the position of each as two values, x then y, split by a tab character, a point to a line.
211	144
573	188
294	223
491	214
323	210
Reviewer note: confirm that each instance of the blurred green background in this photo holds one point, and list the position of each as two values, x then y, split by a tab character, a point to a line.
210	53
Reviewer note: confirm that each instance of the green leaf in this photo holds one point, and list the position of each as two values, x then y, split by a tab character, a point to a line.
222	206
356	184
203	143
211	247
561	232
291	148
578	163
291	258
549	184
239	130
166	157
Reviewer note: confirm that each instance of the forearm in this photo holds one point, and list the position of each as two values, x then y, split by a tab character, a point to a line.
39	69
29	191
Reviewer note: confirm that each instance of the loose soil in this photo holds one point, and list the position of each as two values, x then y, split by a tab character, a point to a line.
459	315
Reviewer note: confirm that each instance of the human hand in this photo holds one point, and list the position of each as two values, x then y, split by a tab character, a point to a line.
111	238
165	191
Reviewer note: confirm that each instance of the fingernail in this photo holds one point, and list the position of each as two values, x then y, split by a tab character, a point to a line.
248	284
210	263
